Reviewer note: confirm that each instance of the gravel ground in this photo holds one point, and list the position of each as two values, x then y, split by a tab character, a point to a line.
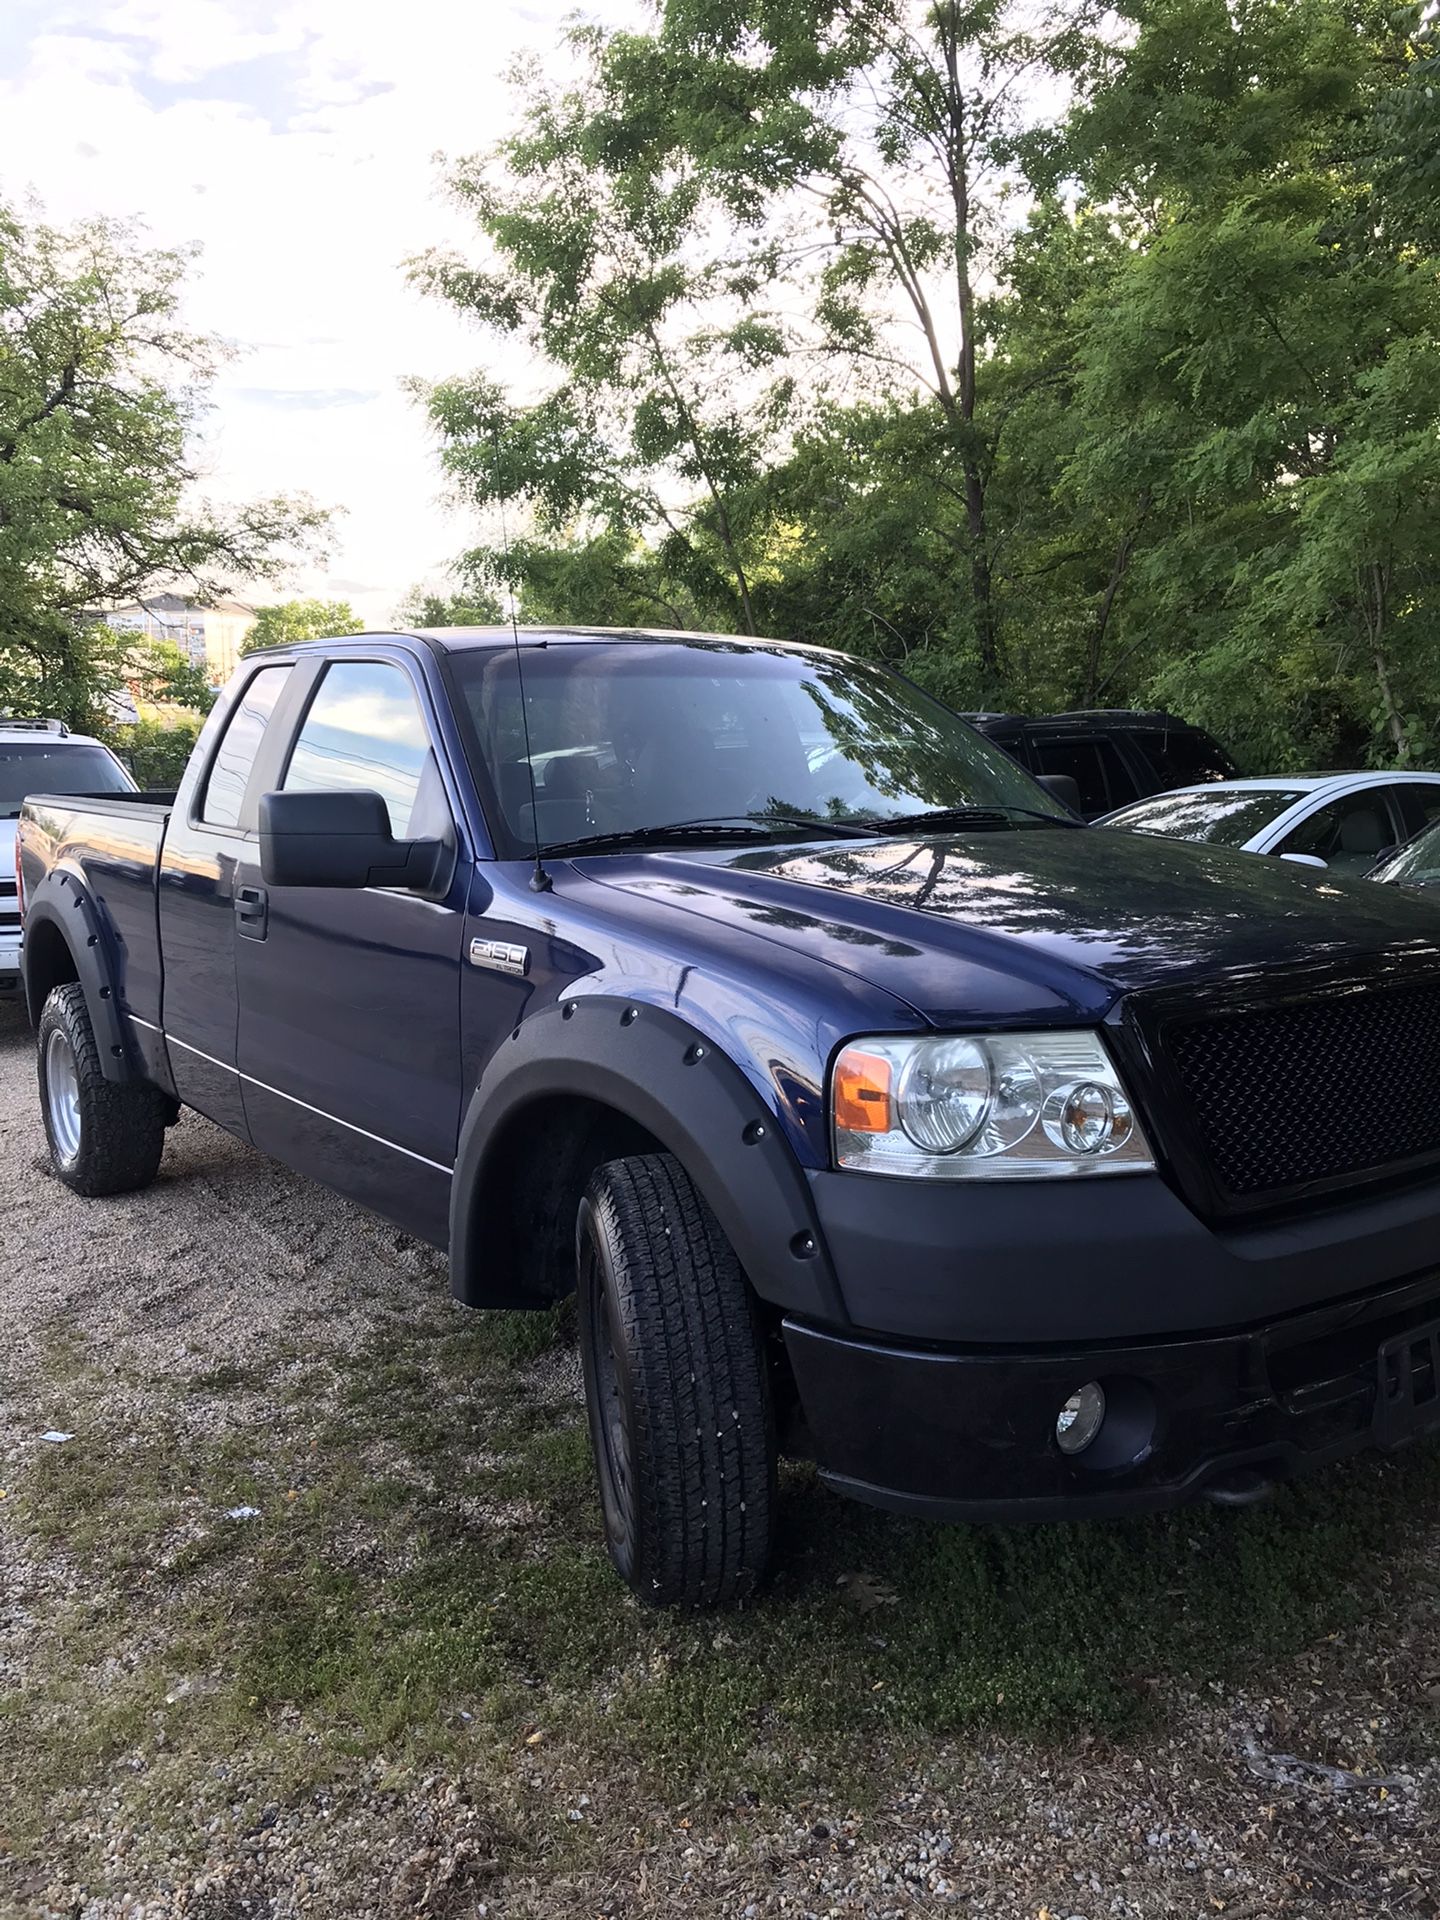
1310	1790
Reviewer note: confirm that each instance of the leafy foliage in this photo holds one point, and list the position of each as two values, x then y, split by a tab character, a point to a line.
101	389
157	750
159	673
477	606
1062	358
291	621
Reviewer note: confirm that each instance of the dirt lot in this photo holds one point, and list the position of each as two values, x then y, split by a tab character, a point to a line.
308	1615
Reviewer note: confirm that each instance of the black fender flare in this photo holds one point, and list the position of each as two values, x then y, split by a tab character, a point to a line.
654	1069
63	901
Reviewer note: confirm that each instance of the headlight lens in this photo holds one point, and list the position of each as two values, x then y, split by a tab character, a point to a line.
984	1107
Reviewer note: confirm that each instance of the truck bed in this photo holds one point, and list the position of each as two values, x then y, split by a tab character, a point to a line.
113	840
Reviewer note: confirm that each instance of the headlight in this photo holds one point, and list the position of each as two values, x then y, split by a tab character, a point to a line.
992	1107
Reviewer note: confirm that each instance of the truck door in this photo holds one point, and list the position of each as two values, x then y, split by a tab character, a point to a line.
349	1043
210	835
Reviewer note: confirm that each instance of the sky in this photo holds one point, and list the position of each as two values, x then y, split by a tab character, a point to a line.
295	141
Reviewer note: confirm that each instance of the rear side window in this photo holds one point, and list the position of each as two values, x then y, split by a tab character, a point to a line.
1183	757
239	744
1094	765
365	730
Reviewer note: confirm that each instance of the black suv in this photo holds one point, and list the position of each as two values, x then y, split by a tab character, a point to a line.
1113	755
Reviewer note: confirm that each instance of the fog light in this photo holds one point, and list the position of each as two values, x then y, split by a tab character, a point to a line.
1080	1418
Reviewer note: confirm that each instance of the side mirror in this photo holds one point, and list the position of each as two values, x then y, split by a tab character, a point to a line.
1064	787
342	839
1305	859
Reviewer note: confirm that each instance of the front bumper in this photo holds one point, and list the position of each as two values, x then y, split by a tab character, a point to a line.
969	1433
10	982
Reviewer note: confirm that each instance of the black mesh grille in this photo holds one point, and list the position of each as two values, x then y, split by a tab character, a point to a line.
1315	1092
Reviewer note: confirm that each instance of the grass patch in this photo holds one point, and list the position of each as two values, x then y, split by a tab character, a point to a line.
426	1580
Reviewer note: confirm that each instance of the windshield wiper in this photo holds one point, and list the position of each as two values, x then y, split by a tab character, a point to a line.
980	817
719	829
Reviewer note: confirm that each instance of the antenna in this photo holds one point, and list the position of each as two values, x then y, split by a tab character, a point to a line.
540	881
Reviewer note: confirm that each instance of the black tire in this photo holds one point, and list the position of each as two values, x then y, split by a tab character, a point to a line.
677	1389
105	1136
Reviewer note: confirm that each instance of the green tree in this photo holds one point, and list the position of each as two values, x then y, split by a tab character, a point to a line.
101	388
669	396
160	673
1063	358
157	750
291	621
477	606
1262	367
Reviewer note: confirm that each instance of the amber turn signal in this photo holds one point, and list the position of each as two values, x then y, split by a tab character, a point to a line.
862	1092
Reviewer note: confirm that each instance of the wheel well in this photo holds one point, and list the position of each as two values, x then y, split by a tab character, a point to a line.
529	1191
531	1186
49	963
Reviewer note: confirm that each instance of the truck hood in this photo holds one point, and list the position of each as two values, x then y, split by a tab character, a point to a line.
1033	923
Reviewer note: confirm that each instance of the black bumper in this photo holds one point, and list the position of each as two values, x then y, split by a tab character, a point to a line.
968	1433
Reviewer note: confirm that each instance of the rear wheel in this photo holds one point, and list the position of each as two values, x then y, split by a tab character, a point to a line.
676	1387
105	1136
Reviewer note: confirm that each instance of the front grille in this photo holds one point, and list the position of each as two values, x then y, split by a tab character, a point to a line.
1325	1091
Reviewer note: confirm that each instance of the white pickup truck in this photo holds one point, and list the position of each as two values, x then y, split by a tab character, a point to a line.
41	756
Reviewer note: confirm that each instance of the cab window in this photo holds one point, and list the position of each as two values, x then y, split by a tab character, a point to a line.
365	730
235	756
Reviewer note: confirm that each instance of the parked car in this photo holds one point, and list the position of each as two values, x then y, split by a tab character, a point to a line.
37	754
1112	755
1416	865
1343	821
878	1108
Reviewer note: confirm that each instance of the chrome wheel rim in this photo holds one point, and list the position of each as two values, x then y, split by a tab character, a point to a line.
62	1097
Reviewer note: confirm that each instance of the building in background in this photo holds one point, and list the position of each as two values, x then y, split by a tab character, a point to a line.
211	636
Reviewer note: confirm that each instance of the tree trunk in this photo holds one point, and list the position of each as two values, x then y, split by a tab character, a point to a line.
987	634
1373	598
1118	571
697	443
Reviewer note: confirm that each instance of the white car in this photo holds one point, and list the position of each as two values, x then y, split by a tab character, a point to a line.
41	756
1343	821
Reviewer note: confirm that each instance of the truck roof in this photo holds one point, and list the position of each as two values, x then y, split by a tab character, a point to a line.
463	639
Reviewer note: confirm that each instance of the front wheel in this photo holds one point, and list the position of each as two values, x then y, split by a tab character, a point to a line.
676	1388
105	1136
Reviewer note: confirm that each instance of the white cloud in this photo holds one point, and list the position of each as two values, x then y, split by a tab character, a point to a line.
294	139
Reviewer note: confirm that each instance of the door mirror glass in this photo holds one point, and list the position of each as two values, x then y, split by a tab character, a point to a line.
343	839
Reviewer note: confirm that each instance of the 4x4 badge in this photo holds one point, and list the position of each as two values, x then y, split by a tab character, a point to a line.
500	955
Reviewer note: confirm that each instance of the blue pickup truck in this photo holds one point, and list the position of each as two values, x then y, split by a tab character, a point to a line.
877	1108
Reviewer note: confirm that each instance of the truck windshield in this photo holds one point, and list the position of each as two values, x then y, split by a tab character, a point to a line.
627	738
55	766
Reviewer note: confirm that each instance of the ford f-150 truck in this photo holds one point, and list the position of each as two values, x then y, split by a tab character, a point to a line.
875	1106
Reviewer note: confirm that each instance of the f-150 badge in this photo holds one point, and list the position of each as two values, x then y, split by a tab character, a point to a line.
502	956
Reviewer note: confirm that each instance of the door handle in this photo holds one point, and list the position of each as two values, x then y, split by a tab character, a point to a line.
252	912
